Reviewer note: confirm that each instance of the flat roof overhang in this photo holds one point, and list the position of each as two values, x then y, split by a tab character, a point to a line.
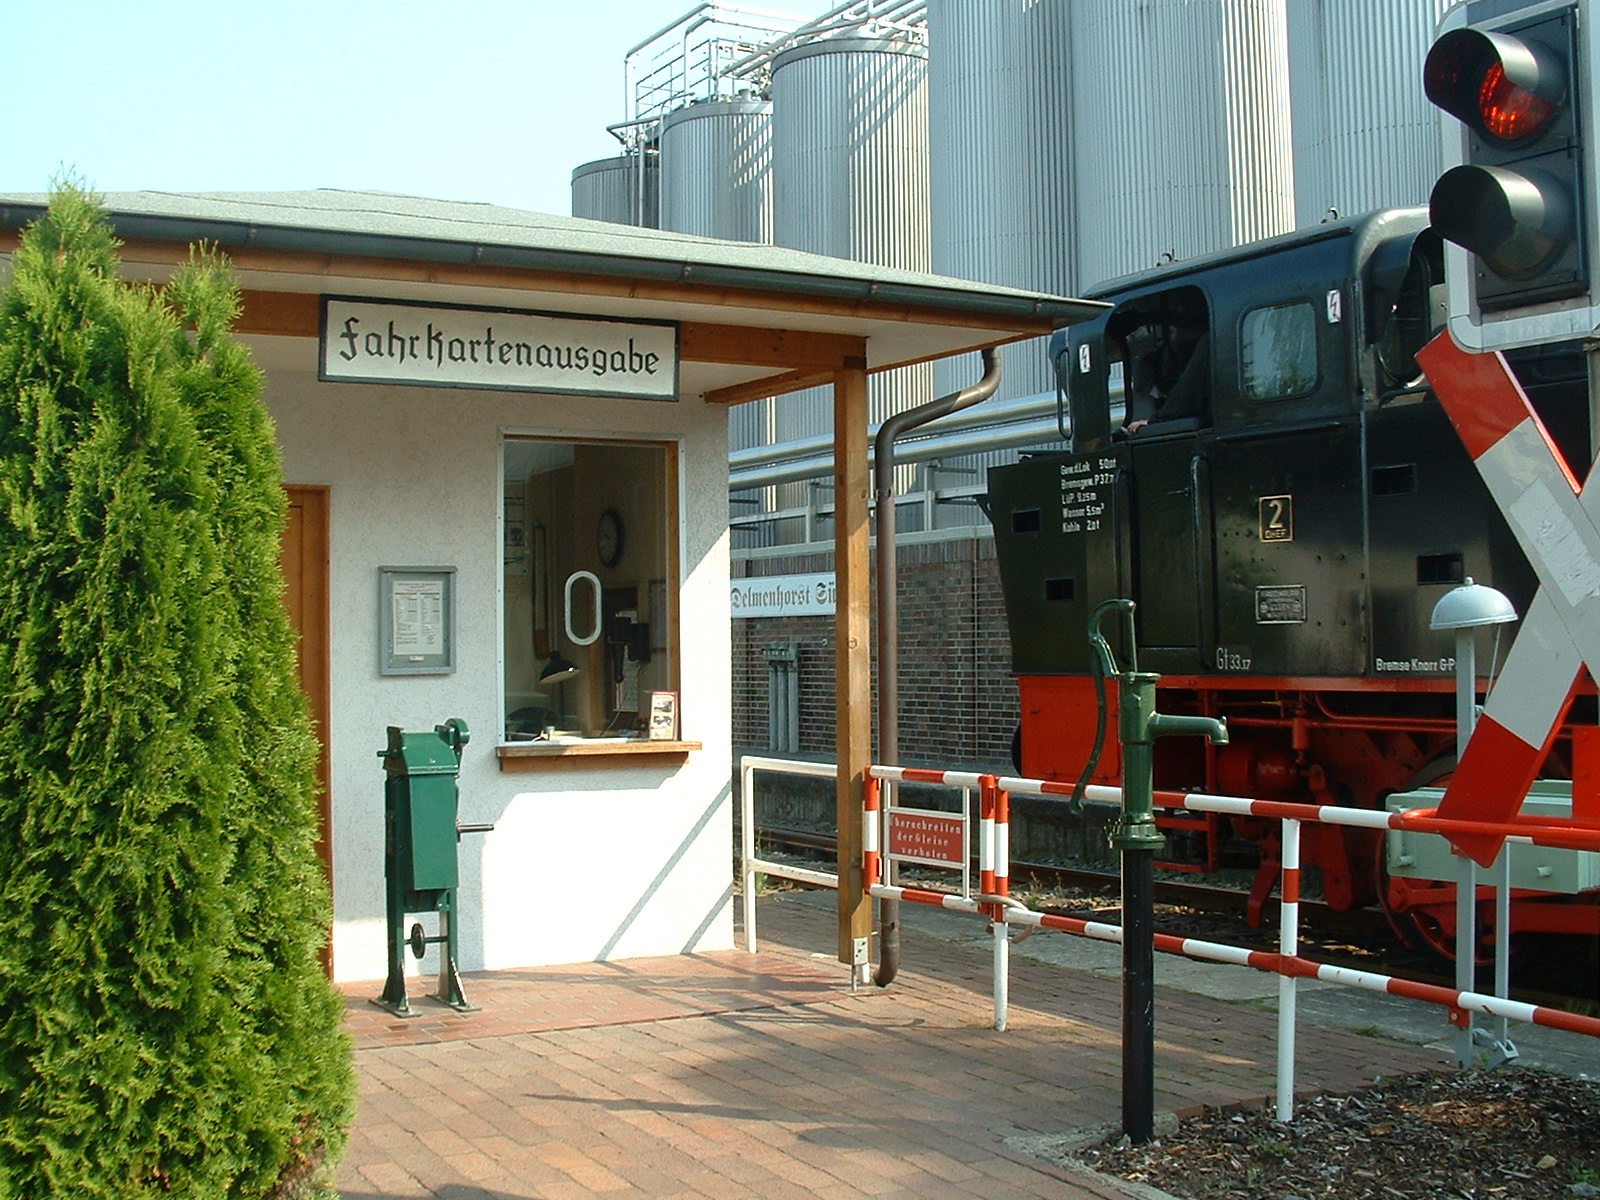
755	320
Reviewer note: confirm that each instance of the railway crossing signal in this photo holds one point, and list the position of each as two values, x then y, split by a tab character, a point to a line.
1557	524
1516	206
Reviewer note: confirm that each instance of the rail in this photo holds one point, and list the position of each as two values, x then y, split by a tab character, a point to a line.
750	864
993	901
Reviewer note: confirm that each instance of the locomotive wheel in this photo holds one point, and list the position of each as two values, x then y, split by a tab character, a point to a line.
1422	915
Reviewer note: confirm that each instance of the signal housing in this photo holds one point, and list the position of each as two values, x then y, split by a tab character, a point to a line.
1517	200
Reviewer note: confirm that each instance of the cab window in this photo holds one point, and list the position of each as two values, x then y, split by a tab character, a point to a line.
1159	350
1278	351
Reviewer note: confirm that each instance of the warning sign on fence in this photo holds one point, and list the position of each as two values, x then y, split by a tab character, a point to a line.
927	836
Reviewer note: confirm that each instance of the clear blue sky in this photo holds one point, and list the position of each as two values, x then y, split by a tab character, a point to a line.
492	100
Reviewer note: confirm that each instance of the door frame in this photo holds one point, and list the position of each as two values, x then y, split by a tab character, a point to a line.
307	598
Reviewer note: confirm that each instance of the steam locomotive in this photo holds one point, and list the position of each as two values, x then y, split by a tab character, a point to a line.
1257	461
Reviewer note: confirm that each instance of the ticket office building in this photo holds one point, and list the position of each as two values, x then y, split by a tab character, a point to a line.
504	441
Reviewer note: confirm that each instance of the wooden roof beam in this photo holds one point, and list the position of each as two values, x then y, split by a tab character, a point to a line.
758	346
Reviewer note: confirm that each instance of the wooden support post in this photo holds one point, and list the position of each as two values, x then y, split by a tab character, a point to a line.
853	656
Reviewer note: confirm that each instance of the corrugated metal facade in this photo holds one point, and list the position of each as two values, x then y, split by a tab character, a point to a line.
716	181
998	115
607	189
1365	137
850	179
1183	146
716	170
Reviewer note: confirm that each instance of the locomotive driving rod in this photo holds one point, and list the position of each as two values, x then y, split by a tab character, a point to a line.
888	622
1137	838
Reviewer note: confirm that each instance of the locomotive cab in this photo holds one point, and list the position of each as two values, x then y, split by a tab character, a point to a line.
1229	401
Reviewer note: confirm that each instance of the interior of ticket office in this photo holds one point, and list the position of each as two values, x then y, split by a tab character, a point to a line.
589	627
546	561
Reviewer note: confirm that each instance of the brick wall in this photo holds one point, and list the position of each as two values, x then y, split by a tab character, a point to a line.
958	702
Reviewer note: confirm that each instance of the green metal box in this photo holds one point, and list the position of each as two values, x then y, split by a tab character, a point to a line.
421	799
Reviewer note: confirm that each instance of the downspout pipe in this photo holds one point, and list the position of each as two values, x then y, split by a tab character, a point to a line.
888	617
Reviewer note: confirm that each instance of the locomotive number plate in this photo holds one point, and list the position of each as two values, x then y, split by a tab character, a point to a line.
1277	518
1281	604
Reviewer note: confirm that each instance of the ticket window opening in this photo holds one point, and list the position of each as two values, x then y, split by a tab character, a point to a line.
589	617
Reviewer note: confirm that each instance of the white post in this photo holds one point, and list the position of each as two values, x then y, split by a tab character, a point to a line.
966	834
1466	950
1466	869
747	852
1502	933
1002	971
1288	945
1465	609
1001	852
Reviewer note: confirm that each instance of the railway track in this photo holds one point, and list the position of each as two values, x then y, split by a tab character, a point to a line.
1361	938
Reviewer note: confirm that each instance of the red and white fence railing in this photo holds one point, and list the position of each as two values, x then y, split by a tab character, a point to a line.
993	900
1287	963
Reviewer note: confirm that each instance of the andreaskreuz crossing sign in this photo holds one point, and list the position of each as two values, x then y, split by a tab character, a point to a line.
1555	523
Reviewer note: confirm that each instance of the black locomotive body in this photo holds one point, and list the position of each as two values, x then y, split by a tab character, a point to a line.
1256	461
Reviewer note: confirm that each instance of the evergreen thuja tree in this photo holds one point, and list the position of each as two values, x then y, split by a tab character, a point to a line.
276	882
164	1027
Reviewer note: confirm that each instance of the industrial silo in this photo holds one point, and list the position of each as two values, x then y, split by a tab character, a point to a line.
610	189
1000	140
716	170
1365	136
716	181
1181	129
1000	162
850	179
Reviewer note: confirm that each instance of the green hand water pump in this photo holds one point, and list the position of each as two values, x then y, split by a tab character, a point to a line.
1136	837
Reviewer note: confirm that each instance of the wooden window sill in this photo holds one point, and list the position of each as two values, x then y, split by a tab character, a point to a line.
592	752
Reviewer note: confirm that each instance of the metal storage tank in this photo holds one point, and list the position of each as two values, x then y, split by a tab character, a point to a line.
607	189
850	179
716	170
1181	129
999	94
850	150
1365	136
716	181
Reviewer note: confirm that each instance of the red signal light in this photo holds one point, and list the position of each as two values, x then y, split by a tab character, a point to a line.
1509	112
1503	87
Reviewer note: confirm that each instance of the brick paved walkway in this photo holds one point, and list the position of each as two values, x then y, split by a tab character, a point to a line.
731	1075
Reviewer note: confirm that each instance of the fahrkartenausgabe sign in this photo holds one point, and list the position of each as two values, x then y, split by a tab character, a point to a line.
385	341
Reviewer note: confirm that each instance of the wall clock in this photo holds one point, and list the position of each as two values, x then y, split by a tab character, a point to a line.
608	539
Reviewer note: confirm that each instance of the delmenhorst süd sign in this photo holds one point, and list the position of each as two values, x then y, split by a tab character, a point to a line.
387	341
784	596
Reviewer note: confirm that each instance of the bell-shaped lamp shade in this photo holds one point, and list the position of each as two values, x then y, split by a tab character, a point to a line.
1471	605
557	669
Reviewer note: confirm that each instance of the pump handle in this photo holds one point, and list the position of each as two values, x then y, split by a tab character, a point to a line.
1102	663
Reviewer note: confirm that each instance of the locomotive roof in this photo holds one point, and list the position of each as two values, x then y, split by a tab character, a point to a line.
1370	230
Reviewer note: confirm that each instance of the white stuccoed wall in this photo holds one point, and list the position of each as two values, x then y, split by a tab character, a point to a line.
582	864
